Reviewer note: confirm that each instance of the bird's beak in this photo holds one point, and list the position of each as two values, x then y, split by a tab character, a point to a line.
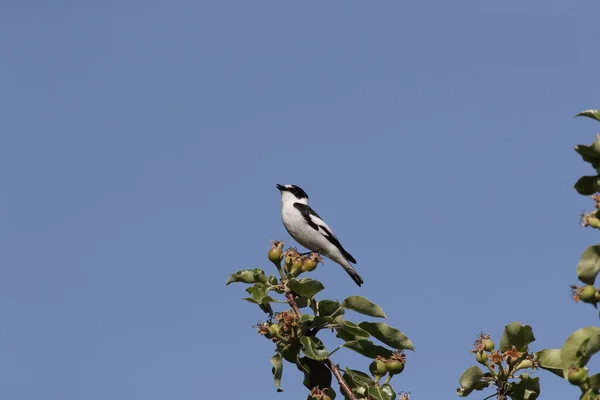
280	187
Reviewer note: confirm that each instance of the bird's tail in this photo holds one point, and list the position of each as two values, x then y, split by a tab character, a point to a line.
352	272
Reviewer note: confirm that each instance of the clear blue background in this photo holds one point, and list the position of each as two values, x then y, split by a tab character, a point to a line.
140	142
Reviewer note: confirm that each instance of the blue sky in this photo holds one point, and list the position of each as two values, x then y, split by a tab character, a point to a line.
141	141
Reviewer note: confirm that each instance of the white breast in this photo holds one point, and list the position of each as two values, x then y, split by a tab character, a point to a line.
300	230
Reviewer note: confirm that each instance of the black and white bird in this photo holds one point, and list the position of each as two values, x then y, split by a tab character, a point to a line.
309	230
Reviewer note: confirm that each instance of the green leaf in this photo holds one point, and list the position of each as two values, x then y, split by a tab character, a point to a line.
259	275
248	276
591	154
516	335
257	292
265	302
327	308
313	348
302	302
587	185
385	392
329	392
266	307
277	370
307	322
245	276
589	265
320	321
588	395
388	335
357	381
595	381
388	392
550	361
469	381
593	114
305	287
363	306
345	336
258	295
579	347
368	348
350	328
359	377
277	290
375	393
525	389
289	351
315	373
587	152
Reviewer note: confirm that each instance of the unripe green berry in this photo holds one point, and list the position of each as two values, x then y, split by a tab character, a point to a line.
577	376
275	255
489	345
377	368
394	367
481	357
296	265
588	294
524	365
272	331
594	222
309	265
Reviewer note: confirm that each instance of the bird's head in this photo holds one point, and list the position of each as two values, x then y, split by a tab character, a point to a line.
292	194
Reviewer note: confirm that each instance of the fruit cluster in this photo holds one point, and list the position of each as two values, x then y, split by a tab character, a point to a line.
393	365
294	263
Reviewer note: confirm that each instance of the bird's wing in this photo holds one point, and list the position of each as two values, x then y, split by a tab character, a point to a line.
316	222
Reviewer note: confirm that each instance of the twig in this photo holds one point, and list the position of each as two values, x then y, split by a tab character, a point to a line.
281	274
339	378
489	397
334	369
336	349
292	303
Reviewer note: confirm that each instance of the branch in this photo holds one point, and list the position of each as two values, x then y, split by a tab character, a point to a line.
341	381
292	303
489	397
334	369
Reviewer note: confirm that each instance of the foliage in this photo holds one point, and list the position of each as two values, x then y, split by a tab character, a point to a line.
505	367
295	334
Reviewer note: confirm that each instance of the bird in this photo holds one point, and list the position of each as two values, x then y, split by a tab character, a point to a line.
307	228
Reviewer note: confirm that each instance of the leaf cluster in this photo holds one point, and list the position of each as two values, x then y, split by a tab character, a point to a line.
295	334
568	362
